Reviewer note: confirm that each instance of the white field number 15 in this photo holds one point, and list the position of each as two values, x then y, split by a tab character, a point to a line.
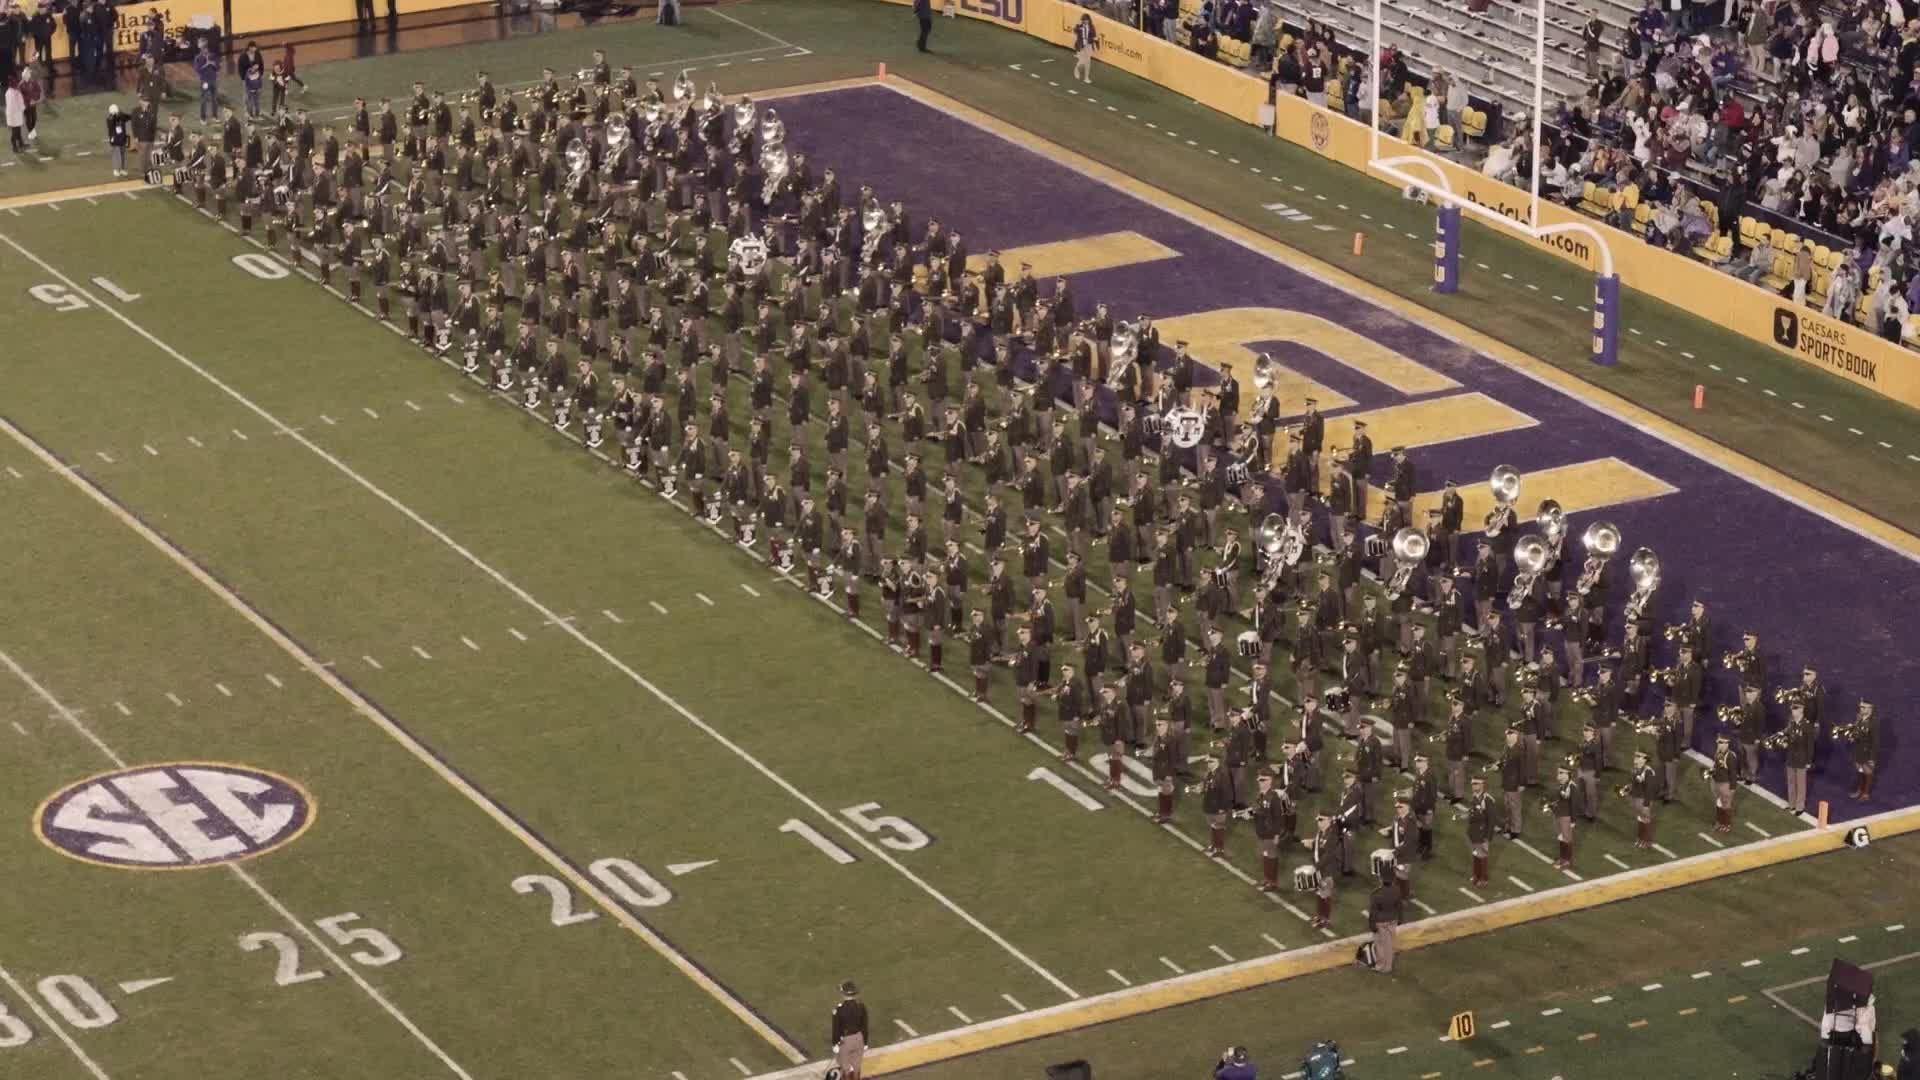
890	830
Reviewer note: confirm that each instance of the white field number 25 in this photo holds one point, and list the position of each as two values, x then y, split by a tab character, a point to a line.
370	948
889	830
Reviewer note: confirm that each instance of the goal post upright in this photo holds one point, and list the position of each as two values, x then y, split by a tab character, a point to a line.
1434	182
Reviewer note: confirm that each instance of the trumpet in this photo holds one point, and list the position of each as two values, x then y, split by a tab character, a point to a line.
1675	632
1850	731
1738	661
1727	714
1786	695
1585	696
1622	791
1650	727
1664	675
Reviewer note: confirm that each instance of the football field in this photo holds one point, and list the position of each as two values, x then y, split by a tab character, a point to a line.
434	744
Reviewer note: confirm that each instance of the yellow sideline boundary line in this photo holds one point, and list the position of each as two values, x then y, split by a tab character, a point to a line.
85	191
1429	932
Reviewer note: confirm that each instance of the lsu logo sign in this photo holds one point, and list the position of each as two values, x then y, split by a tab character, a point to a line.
174	817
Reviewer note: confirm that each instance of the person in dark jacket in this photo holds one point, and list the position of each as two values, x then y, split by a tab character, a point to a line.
923	11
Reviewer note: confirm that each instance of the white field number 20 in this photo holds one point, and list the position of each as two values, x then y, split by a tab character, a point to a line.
623	878
890	830
371	948
77	1001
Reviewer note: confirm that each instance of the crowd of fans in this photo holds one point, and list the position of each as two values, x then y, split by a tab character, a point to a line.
1802	113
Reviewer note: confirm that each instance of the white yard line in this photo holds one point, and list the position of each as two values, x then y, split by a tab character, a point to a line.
1524	887
1013	1001
879	853
1221	953
73	721
611	617
469	643
704	598
958	1015
52	1025
275	680
422	653
1119	978
516	633
906	1027
1710	840
657	606
749	590
1173	967
782	42
559	863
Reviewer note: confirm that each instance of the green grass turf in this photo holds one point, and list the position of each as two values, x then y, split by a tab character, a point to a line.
573	749
543	727
1831	906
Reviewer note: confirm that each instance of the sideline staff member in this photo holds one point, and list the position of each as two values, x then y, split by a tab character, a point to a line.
849	1031
923	11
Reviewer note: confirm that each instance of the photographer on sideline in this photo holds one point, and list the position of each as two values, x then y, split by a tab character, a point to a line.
1235	1065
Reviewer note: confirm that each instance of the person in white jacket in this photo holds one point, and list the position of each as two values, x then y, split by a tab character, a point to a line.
16	116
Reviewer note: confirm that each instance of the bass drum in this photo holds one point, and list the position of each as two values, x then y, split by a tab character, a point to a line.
1336	699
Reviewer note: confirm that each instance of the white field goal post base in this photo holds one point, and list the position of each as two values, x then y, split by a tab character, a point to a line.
1434	183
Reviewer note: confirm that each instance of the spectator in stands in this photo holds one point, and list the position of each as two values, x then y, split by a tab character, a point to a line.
1893	323
1758	263
1314	73
1591	36
32	91
1289	71
1843	291
1162	17
1201	38
1266	36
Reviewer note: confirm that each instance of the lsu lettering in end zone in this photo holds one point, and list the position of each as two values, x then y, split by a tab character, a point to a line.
1478	412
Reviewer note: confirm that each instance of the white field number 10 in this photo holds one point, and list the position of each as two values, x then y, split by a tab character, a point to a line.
890	830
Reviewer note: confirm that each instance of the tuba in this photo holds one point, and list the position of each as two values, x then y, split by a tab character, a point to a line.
777	164
1505	484
1644	568
1409	548
1553	523
1601	540
712	101
773	132
579	160
1125	347
1265	372
1531	555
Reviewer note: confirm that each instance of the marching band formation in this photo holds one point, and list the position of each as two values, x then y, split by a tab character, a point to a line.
1042	482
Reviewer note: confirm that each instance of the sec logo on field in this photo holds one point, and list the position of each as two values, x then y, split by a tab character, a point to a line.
174	816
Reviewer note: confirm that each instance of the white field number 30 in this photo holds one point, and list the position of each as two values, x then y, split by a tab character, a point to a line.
623	878
370	948
77	1001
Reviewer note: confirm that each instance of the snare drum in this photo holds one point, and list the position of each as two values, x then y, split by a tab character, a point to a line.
1306	878
1383	863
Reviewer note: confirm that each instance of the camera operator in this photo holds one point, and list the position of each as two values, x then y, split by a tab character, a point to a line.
1234	1064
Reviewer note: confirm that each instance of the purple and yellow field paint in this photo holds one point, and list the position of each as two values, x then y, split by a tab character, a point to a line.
1816	588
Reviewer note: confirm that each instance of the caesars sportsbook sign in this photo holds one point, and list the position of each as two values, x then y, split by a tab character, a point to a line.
1004	12
1828	343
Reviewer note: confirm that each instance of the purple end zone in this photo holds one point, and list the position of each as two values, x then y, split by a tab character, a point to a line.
1816	592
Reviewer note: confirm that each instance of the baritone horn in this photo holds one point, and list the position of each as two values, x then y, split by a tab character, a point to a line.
1552	521
1505	485
1409	548
1530	556
1264	372
1125	348
1644	569
743	115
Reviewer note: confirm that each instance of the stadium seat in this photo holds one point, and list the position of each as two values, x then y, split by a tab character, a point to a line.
1913	328
1641	215
1822	277
1630	197
1336	90
1473	123
1443	138
1748	227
